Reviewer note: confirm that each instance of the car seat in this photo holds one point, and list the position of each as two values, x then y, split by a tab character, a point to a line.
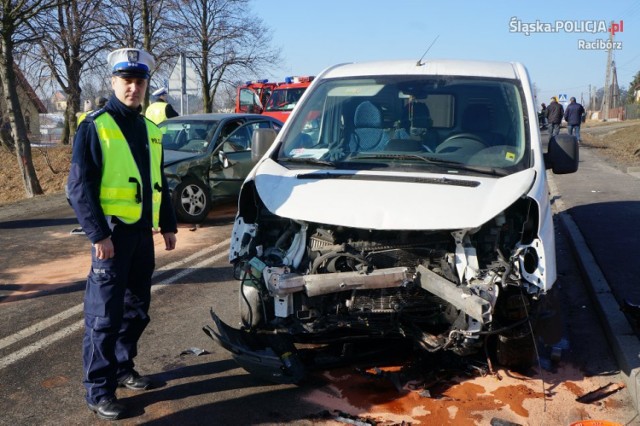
421	125
368	133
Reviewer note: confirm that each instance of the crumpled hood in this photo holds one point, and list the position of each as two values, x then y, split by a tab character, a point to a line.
388	201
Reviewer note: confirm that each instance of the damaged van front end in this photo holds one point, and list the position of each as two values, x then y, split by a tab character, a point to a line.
443	241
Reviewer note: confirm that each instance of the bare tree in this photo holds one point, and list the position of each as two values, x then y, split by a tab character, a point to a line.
222	40
14	30
73	35
141	24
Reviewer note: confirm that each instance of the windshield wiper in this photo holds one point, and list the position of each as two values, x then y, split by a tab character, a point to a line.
434	160
308	160
369	156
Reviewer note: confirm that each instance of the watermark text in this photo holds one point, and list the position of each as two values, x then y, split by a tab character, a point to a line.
591	26
599	44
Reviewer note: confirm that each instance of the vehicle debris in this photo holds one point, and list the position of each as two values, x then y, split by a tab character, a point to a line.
501	422
194	351
600	393
349	419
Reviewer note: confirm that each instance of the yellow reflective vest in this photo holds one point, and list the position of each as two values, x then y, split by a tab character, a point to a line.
157	112
83	116
121	187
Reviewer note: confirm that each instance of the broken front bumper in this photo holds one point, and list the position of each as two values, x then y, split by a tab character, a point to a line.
269	356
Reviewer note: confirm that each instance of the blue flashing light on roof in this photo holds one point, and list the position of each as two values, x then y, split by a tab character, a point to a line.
298	79
265	80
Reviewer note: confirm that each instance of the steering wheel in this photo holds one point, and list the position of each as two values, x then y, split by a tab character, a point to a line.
473	142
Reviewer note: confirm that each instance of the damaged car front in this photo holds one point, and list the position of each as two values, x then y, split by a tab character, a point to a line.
401	201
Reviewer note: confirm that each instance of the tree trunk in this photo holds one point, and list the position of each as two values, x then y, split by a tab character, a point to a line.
71	120
18	128
6	139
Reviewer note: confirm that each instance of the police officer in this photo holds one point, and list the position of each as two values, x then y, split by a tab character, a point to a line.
119	194
160	110
100	102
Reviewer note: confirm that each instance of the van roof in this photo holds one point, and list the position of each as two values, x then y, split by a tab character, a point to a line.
509	70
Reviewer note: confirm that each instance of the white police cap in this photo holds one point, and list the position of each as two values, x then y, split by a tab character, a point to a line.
129	62
161	91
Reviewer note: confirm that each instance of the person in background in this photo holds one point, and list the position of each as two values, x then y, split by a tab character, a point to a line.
100	102
542	117
573	116
120	196
555	111
160	110
86	110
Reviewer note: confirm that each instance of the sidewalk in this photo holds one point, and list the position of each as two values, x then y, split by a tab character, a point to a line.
599	208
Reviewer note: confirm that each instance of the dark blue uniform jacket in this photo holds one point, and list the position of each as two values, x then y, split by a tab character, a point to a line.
83	185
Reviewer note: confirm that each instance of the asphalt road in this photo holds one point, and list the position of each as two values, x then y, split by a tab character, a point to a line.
42	270
599	209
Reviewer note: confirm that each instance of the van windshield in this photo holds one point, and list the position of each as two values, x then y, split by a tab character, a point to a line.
456	124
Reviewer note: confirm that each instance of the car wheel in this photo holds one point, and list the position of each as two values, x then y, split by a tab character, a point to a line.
191	201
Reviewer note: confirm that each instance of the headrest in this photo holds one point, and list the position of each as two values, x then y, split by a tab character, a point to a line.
421	117
129	62
367	115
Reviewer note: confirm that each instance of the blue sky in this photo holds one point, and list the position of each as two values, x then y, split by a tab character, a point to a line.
315	35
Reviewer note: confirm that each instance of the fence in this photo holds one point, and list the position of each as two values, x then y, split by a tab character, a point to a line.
627	112
632	111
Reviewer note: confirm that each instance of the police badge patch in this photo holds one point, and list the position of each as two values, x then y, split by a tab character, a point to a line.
133	55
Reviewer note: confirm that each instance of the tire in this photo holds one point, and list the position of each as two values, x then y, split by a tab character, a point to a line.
191	201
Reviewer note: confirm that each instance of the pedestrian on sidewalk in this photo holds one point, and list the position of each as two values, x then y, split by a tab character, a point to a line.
555	112
119	193
573	116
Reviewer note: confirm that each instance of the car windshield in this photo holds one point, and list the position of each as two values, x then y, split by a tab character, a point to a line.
458	125
187	135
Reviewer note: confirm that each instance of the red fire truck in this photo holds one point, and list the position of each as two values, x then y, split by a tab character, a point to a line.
274	99
253	95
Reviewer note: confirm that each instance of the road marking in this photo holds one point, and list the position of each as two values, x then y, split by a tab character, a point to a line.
29	331
49	340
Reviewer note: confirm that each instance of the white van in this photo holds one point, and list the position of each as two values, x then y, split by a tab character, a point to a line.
401	201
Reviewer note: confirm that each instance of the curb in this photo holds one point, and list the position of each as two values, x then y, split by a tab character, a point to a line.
623	340
634	171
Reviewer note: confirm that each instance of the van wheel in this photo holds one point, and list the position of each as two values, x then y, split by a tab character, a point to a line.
191	201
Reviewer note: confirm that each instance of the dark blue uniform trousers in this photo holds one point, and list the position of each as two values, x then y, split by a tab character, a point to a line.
116	306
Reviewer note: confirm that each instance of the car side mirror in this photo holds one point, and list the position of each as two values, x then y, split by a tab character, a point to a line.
261	141
562	155
224	160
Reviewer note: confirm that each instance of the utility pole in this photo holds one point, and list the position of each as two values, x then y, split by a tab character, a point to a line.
606	99
183	82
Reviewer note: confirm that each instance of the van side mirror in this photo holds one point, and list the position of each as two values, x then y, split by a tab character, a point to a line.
562	155
261	141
